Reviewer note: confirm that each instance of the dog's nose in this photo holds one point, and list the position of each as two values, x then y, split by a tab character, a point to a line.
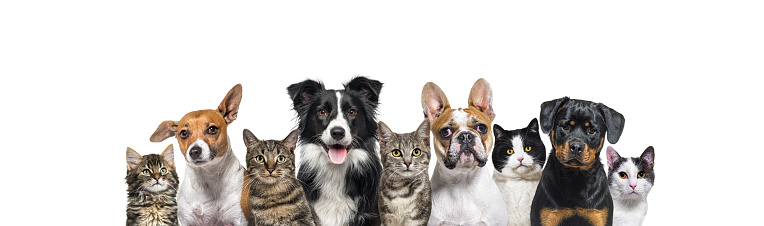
195	152
576	147
466	138
338	133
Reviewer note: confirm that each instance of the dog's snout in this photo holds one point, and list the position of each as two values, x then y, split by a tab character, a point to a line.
577	147
338	133
195	152
466	138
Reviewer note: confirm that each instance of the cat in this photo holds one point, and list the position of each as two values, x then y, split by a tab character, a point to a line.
276	197
404	189
151	188
630	179
518	156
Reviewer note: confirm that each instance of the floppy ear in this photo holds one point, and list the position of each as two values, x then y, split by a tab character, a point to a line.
385	134
423	132
165	130
434	101
614	122
649	157
133	158
302	92
612	157
169	155
481	97
533	127
498	132
368	89
548	111
291	140
249	138
229	107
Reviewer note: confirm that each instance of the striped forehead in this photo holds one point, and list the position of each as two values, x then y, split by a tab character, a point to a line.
269	146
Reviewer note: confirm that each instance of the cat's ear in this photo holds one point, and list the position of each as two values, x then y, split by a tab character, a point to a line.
301	93
612	157
368	89
533	127
481	97
548	110
385	134
229	107
165	130
498	132
249	138
614	122
649	157
133	159
291	140
423	132
169	155
434	101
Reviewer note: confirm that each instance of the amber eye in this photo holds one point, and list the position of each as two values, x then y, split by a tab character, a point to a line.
416	152
481	128
281	158
260	158
565	127
397	153
212	130
641	174
446	132
322	113
591	131
147	172
183	134
352	113
163	171
622	175
510	151
527	149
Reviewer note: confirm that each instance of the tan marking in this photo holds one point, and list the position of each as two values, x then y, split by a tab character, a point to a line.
196	123
587	124
553	217
572	123
245	205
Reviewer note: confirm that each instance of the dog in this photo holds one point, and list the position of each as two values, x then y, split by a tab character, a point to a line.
463	192
340	167
574	188
211	192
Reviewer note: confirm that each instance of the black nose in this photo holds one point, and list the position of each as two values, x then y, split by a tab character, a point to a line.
195	152
466	138
338	133
576	147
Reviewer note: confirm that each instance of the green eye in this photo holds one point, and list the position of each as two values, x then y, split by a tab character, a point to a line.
163	171
416	152
260	159
396	153
147	172
281	158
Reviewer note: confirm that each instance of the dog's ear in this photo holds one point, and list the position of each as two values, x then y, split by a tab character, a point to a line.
229	107
533	127
614	122
385	134
434	101
249	138
498	132
548	110
481	97
303	92
368	89
165	130
423	132
612	157
169	155
649	157
133	158
291	140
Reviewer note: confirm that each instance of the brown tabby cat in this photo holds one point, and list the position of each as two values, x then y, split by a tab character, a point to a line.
151	188
275	195
404	190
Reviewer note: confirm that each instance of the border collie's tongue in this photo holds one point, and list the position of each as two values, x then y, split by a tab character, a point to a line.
337	154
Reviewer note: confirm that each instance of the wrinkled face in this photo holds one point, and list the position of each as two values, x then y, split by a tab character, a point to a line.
268	161
202	136
462	137
578	134
153	174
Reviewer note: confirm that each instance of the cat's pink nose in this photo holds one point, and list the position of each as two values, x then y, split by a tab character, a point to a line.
633	186
407	163
520	159
270	171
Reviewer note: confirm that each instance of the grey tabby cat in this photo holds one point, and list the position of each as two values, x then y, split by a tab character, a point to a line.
404	189
276	196
151	188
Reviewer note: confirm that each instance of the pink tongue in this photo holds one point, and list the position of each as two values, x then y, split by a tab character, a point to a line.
337	156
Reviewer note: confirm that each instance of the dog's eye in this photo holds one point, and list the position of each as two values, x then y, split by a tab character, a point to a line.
481	128
396	153
322	113
622	175
281	158
446	132
260	158
183	134
147	172
641	174
565	127
212	130
510	151
352	113
591	131
163	171
527	149
416	152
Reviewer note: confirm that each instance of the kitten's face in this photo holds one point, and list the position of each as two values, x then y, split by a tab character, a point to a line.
153	173
269	161
630	178
408	154
520	152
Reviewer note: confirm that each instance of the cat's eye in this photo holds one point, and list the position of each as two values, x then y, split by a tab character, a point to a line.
527	149
591	131
212	130
260	158
641	174
352	113
322	113
416	152
622	175
147	172
510	151
281	158
396	153
481	128
163	171
183	134
446	132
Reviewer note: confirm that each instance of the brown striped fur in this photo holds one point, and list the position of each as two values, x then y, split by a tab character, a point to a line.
147	206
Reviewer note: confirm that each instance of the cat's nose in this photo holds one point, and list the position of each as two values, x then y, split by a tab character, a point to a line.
270	171
520	159
407	164
633	186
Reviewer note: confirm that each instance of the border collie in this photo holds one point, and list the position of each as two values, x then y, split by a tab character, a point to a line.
340	167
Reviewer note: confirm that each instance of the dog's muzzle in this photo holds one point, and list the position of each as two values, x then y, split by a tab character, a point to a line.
467	144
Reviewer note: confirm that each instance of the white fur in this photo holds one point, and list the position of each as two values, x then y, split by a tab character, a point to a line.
465	196
629	205
211	193
205	155
518	184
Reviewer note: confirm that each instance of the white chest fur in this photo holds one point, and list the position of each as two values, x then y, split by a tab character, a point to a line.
518	196
465	197
628	214
211	195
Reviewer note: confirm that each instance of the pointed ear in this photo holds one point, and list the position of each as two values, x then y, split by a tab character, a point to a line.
614	122
649	157
481	97
368	89
548	110
169	155
229	107
498	132
301	93
165	130
612	157
423	132
434	101
133	158
291	140
533	126
385	134
249	138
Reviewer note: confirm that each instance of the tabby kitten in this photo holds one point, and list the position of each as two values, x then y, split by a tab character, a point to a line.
404	189
276	196
630	179
518	157
151	188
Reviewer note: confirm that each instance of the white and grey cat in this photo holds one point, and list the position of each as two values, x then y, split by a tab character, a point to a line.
630	179
405	196
518	157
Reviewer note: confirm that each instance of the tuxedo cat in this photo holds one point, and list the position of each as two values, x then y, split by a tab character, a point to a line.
630	179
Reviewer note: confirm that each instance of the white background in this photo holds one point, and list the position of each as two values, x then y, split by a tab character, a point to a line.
83	80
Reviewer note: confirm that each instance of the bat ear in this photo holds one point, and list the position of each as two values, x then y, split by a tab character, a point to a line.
614	122
165	130
481	97
548	110
229	107
434	101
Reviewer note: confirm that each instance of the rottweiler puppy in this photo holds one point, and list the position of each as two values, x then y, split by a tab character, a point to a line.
573	188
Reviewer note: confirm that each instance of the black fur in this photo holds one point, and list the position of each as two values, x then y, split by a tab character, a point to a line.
503	142
361	94
563	187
